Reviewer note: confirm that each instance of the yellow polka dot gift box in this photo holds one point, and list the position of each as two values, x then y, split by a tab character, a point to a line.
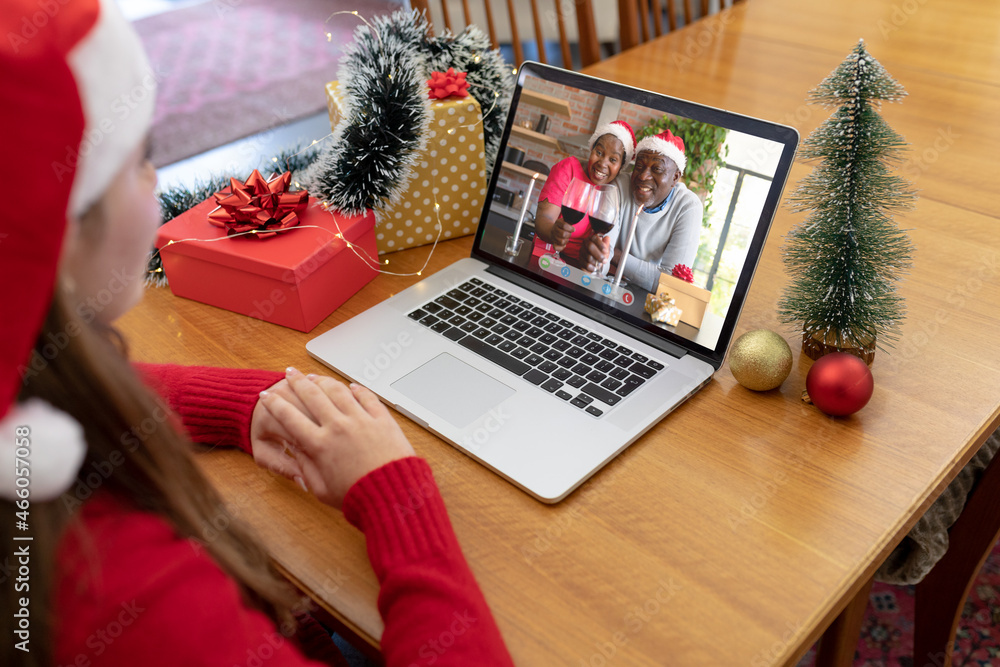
450	172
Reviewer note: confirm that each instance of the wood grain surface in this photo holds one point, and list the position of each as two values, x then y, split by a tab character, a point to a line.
738	528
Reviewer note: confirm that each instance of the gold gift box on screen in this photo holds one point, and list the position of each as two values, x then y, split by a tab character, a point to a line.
450	171
691	299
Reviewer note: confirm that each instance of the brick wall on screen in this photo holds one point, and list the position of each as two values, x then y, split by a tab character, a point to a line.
584	110
638	116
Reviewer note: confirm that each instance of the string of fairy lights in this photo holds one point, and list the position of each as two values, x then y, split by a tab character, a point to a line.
358	250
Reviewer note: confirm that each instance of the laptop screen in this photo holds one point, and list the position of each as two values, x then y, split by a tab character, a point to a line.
621	236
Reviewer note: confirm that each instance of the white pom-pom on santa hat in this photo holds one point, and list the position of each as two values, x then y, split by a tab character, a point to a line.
620	130
51	450
668	144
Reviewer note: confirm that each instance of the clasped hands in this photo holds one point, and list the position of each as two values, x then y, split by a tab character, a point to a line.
324	434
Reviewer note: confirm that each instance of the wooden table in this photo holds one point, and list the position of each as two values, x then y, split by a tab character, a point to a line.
738	528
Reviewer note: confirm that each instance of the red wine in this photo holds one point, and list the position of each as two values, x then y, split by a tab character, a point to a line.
600	227
571	215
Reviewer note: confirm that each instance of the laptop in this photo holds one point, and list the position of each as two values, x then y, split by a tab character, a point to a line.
536	369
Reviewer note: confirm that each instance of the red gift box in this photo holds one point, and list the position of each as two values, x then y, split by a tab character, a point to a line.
294	278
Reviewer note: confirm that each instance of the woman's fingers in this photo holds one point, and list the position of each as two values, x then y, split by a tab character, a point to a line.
339	394
311	478
296	423
284	389
562	231
280	463
367	400
315	400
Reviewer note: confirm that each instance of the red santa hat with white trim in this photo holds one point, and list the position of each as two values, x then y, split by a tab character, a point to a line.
665	143
621	131
78	99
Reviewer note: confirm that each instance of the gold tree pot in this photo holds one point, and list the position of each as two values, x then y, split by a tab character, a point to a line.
816	344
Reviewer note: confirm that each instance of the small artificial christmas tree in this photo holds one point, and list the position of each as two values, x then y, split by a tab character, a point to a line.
848	254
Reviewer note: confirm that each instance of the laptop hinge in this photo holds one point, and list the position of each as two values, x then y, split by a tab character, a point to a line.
672	349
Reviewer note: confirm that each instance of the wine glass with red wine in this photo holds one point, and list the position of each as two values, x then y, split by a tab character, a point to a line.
575	203
604	205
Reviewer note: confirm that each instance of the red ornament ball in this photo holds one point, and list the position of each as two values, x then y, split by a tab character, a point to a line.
840	384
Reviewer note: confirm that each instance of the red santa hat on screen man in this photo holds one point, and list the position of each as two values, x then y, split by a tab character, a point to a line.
78	98
621	131
665	143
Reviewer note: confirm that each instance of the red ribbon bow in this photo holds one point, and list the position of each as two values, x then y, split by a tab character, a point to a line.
683	272
264	206
448	84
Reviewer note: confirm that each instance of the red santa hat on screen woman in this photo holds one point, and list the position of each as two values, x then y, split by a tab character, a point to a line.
668	144
621	131
78	99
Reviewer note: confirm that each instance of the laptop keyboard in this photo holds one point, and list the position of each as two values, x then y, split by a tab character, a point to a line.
579	366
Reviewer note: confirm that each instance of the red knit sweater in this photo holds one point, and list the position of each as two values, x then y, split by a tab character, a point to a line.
131	592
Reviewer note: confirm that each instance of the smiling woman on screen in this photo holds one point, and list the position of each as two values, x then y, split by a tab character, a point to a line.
611	148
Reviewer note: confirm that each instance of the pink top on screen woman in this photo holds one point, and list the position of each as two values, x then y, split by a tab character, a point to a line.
611	148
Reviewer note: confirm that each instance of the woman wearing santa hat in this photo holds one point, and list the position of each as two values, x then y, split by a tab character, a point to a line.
114	529
668	228
611	148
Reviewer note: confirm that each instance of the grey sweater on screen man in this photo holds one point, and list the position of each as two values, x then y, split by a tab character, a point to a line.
662	239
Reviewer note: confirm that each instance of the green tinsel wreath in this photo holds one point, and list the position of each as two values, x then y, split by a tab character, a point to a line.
369	161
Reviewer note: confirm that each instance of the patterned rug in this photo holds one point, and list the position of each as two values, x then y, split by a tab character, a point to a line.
227	69
887	633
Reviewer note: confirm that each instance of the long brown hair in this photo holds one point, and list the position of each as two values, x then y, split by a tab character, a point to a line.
80	367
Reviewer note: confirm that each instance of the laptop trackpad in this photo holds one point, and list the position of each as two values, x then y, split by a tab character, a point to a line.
453	390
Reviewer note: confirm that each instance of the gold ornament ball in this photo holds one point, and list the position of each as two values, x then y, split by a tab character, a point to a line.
760	360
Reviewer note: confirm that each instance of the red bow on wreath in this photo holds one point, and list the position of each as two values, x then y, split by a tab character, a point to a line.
448	84
264	206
